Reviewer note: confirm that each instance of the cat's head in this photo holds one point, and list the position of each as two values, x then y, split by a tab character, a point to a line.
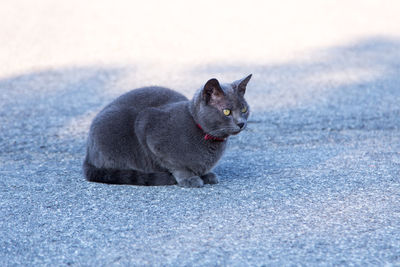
221	109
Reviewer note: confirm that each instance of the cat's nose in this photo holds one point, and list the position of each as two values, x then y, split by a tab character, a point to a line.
241	124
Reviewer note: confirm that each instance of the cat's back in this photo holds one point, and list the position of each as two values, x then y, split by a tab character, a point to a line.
152	96
123	110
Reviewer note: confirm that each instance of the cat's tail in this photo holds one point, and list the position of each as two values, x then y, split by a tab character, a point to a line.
132	177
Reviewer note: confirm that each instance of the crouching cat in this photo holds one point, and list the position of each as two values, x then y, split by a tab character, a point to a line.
156	136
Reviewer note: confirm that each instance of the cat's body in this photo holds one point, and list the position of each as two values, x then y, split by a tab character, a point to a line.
156	136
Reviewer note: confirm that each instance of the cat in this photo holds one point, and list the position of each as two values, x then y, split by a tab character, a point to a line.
156	136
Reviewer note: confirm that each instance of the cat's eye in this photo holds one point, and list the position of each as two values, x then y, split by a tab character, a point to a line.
226	112
244	109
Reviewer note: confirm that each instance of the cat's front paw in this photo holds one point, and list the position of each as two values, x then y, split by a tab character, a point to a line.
210	178
194	181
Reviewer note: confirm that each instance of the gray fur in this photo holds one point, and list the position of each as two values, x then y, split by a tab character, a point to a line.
149	136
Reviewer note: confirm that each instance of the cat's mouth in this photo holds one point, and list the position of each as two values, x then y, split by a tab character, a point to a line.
226	132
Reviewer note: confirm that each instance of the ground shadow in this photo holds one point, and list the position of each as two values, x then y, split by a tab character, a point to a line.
305	102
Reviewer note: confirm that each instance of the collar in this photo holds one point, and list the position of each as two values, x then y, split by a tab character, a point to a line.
210	137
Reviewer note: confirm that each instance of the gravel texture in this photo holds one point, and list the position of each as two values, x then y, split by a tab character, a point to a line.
314	179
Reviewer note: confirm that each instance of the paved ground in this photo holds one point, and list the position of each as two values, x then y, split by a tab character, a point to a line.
314	180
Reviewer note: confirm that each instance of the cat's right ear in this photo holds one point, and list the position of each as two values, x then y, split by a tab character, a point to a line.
212	91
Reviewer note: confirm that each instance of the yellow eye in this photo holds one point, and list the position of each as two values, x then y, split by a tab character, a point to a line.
244	109
227	112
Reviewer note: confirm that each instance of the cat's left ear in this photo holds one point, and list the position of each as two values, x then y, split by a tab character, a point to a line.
212	91
240	85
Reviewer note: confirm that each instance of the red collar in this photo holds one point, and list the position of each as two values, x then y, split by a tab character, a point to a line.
209	136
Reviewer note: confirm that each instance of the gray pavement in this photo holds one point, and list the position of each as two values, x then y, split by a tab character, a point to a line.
314	180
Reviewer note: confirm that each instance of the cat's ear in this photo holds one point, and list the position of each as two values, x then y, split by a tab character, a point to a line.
241	84
212	90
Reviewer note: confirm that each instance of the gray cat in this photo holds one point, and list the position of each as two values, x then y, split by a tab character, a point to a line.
156	136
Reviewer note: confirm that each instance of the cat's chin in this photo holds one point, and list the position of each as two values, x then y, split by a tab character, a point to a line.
235	133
